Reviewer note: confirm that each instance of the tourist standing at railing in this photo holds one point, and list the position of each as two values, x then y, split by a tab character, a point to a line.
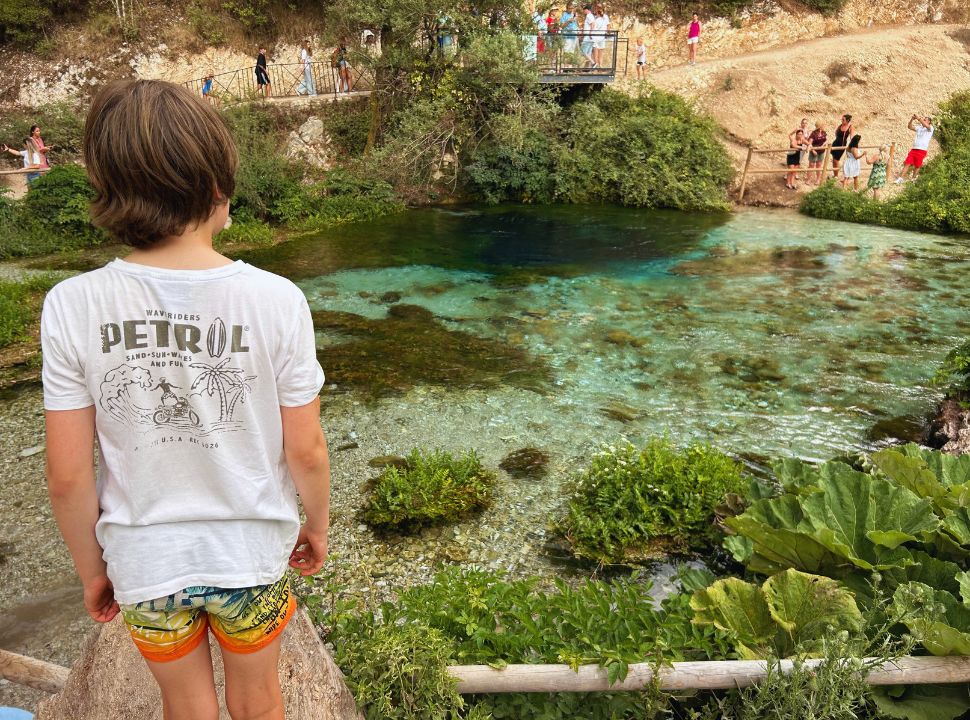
340	64
879	174
207	89
798	143
262	76
851	167
586	47
307	86
40	146
568	24
31	157
842	134
693	39
816	156
641	50
923	127
601	29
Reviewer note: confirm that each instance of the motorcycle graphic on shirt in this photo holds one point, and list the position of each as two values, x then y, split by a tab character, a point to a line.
199	397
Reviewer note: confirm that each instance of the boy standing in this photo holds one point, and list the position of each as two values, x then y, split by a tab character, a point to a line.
263	84
641	59
193	518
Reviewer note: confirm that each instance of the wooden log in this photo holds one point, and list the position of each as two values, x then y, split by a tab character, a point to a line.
706	675
111	680
31	672
24	171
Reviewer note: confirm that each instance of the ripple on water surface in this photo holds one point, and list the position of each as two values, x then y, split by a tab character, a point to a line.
763	332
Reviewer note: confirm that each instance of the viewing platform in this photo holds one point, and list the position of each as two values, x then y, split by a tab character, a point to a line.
566	58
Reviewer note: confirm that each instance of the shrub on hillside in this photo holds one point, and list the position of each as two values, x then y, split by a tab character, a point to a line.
649	151
25	22
432	487
634	505
826	7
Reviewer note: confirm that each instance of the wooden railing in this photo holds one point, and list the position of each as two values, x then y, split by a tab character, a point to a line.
823	169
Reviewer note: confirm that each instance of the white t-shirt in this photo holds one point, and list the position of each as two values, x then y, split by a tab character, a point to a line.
923	137
31	157
305	58
187	370
641	53
588	22
601	23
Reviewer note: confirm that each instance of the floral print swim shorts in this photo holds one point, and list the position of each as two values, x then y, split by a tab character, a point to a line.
243	620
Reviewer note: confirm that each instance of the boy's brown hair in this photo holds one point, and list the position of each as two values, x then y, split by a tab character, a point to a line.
159	159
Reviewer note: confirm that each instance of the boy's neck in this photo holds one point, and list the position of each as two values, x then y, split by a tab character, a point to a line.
191	250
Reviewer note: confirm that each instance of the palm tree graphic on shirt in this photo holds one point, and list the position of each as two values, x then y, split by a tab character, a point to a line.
231	384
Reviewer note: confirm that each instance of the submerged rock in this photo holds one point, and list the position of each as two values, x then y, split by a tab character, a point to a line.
411	347
383	461
527	462
392	296
949	430
617	410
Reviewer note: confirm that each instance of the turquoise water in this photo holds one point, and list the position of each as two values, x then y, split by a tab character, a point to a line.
764	332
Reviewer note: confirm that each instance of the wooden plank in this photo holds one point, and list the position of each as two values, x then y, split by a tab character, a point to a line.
23	171
31	672
744	175
706	675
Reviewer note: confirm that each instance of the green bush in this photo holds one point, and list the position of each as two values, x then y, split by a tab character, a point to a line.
831	202
401	672
245	232
52	216
57	204
433	487
826	7
954	373
20	305
25	22
347	124
487	618
268	186
647	151
206	23
633	505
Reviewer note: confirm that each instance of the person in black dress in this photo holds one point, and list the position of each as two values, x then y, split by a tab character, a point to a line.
843	133
262	76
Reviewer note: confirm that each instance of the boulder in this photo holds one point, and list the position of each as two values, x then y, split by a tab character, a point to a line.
949	430
310	144
110	679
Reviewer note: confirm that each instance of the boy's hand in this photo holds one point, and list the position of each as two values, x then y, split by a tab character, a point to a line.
310	551
99	599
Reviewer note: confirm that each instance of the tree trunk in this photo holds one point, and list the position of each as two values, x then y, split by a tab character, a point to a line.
381	92
111	680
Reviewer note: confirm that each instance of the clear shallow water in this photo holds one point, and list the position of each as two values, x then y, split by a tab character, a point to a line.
764	332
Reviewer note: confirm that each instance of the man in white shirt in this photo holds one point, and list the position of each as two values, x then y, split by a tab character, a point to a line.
923	127
586	47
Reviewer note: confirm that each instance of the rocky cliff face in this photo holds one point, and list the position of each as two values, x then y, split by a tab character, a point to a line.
950	429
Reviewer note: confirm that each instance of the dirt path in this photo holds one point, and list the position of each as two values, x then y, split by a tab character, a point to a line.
880	76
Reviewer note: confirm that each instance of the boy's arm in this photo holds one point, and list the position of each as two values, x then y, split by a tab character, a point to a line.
305	448
74	500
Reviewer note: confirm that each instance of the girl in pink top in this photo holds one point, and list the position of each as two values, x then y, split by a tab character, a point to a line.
693	38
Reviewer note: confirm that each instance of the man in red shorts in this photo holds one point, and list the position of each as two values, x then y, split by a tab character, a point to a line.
923	127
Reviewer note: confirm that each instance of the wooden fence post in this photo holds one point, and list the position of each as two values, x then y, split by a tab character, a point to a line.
825	162
892	154
744	175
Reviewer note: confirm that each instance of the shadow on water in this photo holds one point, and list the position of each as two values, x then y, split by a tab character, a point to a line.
516	244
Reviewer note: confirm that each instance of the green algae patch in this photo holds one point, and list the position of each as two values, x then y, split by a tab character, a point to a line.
411	347
431	488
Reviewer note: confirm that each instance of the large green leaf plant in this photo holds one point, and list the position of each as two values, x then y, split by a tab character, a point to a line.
899	519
